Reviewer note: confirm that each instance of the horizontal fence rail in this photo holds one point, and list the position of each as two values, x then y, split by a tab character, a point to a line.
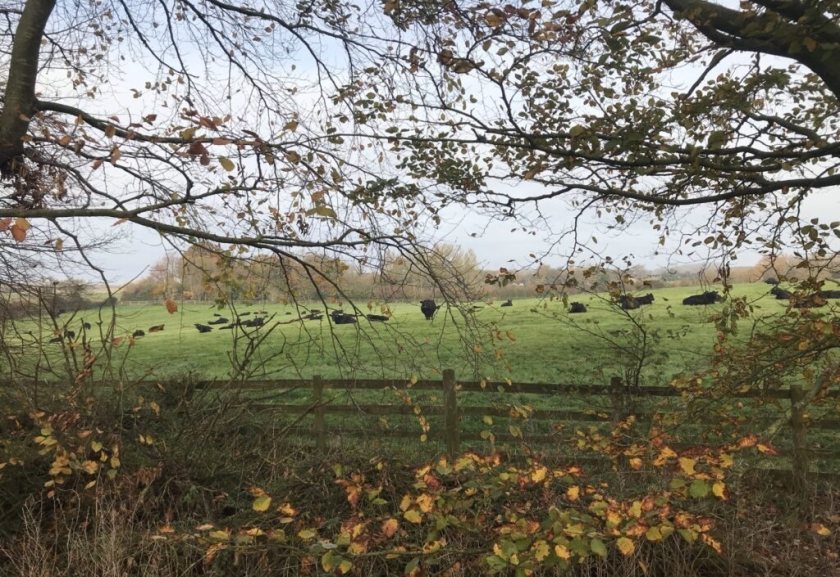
452	411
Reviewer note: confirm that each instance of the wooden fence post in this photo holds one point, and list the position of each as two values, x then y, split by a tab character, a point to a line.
617	395
800	443
319	426
452	427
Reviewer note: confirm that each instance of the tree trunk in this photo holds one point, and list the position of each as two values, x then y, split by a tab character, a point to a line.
19	95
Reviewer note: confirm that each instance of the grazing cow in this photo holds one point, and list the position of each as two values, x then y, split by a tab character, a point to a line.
86	325
219	321
378	318
69	335
244	314
507	303
138	333
576	307
830	294
156	328
227	327
216	315
254	322
771	280
313	316
203	328
428	307
780	293
707	298
342	318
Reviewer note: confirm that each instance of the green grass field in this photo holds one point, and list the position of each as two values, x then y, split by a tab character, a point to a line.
534	340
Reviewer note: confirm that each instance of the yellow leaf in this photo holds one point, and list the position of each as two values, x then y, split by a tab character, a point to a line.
820	529
219	535
58	245
573	493
687	465
539	474
287	510
406	502
719	489
306	534
261	503
204	527
653	534
625	545
413	516
345	566
541	550
425	502
227	163
635	463
562	552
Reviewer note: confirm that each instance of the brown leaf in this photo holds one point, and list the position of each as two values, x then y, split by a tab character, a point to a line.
171	306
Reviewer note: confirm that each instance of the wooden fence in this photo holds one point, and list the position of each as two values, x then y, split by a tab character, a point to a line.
619	399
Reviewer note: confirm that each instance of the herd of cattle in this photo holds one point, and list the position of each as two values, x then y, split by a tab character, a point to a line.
429	308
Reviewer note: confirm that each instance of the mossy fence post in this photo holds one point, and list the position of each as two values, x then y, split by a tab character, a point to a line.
800	459
618	395
319	425
452	426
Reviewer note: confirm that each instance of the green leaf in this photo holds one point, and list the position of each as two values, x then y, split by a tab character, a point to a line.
699	489
597	546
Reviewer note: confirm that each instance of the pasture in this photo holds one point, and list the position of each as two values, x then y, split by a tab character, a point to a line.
535	340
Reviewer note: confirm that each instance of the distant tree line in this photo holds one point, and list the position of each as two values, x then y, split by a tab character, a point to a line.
209	274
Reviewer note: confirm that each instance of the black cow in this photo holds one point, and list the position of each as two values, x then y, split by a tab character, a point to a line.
227	327
378	318
254	322
628	302
577	308
219	321
780	293
645	299
138	333
830	294
69	335
507	303
342	318
313	316
707	298
203	328
771	280
86	325
428	307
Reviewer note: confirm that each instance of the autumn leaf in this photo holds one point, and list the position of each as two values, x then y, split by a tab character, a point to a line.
171	306
598	547
19	229
562	552
413	516
573	493
227	163
389	527
261	503
306	534
291	126
820	529
687	465
625	545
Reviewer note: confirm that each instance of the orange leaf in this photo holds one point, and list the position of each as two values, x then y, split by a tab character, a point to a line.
171	306
389	527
